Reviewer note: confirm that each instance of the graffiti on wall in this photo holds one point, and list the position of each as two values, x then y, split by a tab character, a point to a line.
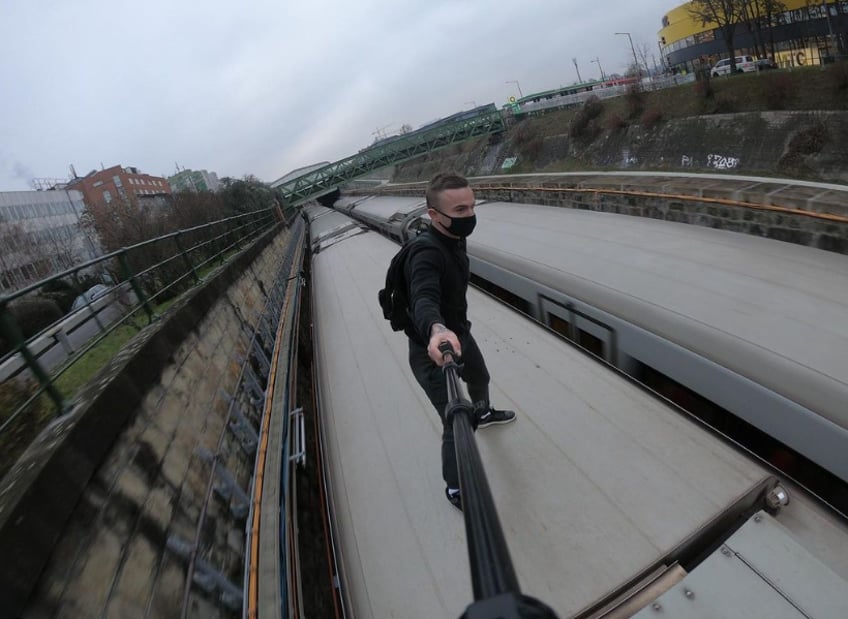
721	162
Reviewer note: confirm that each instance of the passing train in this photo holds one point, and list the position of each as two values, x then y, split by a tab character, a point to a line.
614	502
718	321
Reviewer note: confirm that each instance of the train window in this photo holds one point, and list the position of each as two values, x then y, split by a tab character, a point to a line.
501	293
803	470
563	327
591	343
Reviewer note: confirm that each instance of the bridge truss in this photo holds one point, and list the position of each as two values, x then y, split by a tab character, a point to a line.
391	151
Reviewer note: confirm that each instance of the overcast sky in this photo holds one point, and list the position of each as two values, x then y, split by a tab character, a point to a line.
264	86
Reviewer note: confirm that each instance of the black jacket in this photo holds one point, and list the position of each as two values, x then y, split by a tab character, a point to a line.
437	276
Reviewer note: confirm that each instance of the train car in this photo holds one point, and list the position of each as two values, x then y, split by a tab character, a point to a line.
480	110
754	326
611	499
393	218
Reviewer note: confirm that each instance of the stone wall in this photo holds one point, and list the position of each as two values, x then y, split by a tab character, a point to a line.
795	144
811	145
796	228
95	499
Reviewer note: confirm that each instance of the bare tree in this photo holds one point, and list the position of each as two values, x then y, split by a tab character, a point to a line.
17	261
61	243
759	17
121	223
644	51
725	14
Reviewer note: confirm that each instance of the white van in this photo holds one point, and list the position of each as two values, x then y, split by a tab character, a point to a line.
744	64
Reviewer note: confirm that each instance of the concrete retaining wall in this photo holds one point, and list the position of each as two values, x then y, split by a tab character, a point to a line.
793	228
97	496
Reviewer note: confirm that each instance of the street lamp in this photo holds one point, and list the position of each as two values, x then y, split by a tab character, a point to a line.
633	49
598	62
517	85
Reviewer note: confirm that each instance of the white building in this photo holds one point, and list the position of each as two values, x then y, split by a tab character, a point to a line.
40	235
194	180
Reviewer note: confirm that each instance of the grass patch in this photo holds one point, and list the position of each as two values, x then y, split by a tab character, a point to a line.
78	374
22	431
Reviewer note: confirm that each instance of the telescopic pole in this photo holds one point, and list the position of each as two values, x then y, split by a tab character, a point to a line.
493	579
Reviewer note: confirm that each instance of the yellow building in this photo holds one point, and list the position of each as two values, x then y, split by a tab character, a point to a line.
806	32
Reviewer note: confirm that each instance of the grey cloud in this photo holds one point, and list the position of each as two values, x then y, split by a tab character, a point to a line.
266	86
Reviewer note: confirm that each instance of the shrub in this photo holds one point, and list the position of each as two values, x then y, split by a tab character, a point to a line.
635	101
725	103
32	315
21	432
523	134
615	122
837	74
533	149
703	89
651	118
779	90
809	141
581	124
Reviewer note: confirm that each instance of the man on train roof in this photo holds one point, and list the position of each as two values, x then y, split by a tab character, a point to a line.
437	275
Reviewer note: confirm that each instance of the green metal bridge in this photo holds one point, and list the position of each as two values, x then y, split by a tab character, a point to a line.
484	120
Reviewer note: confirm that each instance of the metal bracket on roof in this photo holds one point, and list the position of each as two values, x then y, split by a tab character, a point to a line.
243	430
228	489
298	435
206	576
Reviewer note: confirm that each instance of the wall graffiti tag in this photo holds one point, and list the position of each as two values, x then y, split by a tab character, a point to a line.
721	162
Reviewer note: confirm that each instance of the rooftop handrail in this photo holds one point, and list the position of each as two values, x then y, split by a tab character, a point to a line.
140	276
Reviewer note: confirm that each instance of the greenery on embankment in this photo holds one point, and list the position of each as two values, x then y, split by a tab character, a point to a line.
639	114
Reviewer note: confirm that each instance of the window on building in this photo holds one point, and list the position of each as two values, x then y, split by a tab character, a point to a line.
97	183
107	196
117	180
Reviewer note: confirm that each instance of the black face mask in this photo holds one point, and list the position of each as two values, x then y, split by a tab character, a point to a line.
460	226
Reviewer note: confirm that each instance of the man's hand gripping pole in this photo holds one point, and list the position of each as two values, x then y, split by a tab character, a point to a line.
457	402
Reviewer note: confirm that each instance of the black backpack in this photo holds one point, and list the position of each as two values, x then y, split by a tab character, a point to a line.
393	298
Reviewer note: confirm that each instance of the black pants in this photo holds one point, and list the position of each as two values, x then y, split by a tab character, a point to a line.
433	381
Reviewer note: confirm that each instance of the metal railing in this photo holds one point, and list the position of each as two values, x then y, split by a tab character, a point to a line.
557	103
34	369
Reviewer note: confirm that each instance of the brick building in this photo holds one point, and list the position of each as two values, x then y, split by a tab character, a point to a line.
117	182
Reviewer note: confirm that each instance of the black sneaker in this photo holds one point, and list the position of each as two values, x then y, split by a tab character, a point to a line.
454	499
494	417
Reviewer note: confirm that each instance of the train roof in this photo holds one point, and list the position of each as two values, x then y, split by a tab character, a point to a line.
384	210
595	482
327	226
730	297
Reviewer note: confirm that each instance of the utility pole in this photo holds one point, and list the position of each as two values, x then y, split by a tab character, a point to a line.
635	59
598	61
576	68
517	85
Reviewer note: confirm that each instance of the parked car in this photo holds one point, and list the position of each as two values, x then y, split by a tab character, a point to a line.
763	64
98	290
744	64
